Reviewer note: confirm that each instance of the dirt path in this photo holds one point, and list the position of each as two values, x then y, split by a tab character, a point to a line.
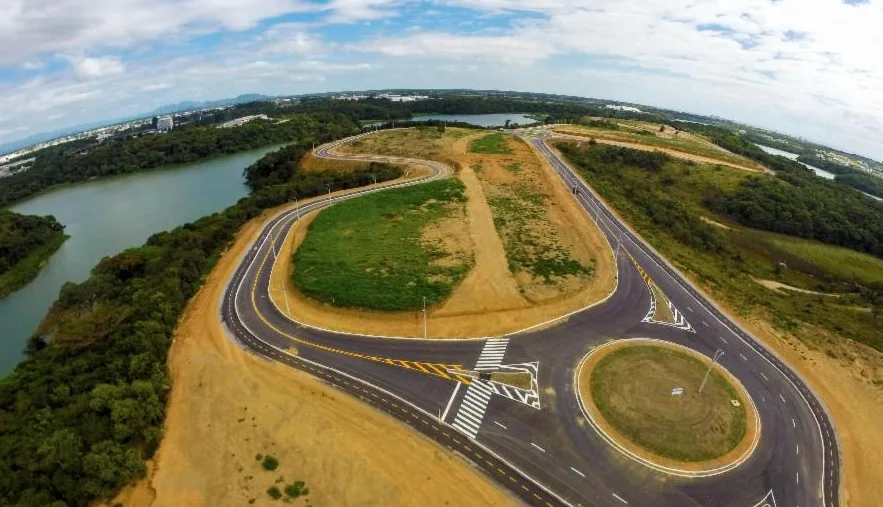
226	406
489	286
783	288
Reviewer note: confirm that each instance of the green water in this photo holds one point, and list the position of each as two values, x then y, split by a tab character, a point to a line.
104	217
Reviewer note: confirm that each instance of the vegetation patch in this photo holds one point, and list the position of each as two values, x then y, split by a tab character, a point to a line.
493	144
665	203
423	142
632	388
270	463
663	312
26	242
370	252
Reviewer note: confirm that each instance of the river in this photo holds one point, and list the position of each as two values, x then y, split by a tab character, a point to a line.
482	120
104	217
793	156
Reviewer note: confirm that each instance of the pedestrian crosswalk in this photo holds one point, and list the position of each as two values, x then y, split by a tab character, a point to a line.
492	354
471	411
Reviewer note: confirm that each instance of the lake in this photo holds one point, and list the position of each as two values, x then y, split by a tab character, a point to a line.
482	120
104	217
793	156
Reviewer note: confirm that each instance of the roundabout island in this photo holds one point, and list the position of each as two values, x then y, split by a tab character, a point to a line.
668	407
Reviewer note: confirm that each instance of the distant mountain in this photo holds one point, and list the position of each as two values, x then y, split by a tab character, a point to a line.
190	104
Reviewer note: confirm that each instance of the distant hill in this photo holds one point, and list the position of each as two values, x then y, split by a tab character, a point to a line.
190	104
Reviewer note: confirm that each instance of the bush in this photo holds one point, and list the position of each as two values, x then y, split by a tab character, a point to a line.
297	489
270	463
274	492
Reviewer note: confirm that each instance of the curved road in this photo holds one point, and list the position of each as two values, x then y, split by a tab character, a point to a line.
538	443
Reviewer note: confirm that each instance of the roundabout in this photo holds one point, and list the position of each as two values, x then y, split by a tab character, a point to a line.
667	407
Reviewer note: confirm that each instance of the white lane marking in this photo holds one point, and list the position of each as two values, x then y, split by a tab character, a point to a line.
689	309
500	425
743	357
764	376
723	339
538	447
705	323
798	449
578	472
793	423
783	398
621	499
450	401
798	477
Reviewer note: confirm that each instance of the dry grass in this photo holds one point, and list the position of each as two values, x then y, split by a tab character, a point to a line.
663	313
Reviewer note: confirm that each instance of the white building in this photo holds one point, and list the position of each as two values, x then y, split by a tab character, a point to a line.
165	123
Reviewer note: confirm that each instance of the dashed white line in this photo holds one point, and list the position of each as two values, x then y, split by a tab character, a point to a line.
538	447
783	398
764	376
689	310
500	425
705	323
793	423
743	357
798	449
578	472
621	499
723	339
798	477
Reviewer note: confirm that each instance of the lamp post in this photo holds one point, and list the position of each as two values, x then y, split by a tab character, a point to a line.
424	316
717	355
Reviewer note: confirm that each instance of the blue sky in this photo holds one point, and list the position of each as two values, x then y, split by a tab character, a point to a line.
805	67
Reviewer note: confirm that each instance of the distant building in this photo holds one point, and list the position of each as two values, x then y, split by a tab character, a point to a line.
165	123
155	122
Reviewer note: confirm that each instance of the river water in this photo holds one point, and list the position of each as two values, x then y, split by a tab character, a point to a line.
482	120
104	217
793	156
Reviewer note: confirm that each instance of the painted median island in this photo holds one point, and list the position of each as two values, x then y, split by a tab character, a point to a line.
644	397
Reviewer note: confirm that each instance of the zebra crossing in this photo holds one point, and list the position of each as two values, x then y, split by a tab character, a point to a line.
471	411
492	354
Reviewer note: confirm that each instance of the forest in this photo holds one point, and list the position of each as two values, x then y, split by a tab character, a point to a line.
861	181
81	414
26	241
70	163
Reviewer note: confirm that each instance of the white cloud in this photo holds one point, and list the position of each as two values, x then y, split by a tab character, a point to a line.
87	68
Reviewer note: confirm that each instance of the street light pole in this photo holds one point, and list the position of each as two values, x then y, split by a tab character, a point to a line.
296	208
717	355
424	316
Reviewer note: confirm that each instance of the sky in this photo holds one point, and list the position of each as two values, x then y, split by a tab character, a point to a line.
810	68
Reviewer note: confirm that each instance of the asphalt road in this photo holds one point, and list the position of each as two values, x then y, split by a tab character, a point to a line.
539	443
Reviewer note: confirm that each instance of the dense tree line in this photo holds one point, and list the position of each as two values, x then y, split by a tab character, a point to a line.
84	410
803	205
74	163
861	181
25	242
828	165
605	164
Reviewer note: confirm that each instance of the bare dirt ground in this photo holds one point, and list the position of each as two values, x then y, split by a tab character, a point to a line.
226	406
716	224
781	287
605	138
489	301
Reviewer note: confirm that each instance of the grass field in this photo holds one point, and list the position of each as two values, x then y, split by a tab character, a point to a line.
371	252
492	144
420	142
666	208
632	388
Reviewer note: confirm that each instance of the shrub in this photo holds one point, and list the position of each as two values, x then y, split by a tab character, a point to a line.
274	492
297	489
270	463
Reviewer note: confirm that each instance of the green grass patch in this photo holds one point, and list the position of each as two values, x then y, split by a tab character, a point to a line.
632	389
839	262
368	252
514	167
493	144
297	489
274	492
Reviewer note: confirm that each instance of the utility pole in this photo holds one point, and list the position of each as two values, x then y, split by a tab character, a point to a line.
424	316
374	177
717	355
296	208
